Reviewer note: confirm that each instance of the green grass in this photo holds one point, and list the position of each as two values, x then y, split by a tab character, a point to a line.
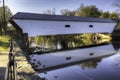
4	43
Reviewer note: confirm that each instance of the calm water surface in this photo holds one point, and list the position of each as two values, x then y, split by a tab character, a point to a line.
91	63
104	69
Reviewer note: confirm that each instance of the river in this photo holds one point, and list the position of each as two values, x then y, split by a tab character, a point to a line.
99	62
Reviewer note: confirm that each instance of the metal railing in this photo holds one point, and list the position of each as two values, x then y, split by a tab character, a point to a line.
11	67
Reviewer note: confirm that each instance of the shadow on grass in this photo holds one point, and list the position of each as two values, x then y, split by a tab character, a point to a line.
4	44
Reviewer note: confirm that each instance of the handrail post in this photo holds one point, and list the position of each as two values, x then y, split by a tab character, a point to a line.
10	71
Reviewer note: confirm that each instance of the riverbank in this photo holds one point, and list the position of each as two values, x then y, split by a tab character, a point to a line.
24	69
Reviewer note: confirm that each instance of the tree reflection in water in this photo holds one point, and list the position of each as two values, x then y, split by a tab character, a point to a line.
51	43
93	64
116	45
96	63
90	64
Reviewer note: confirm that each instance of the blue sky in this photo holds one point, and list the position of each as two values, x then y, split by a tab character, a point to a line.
38	6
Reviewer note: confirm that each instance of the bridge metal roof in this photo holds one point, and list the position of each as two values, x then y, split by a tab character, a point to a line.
34	16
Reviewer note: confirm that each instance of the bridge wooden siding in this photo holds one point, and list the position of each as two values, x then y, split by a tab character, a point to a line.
41	24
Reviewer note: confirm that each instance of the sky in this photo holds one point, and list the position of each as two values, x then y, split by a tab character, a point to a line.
39	6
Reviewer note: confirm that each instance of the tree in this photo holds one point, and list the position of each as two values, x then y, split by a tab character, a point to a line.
8	14
78	11
30	39
67	12
94	12
113	15
86	11
50	11
105	14
116	4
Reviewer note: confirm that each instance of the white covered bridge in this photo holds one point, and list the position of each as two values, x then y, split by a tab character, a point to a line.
42	24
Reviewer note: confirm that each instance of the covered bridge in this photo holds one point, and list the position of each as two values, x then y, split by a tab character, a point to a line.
43	24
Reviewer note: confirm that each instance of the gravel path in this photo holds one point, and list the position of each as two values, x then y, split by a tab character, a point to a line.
24	69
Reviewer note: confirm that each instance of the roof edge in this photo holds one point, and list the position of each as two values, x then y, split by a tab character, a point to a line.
36	16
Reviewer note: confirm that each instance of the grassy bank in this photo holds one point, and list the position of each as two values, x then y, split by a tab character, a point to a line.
4	43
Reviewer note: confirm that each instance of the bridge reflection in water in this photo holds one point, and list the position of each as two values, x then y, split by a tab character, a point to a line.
99	62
